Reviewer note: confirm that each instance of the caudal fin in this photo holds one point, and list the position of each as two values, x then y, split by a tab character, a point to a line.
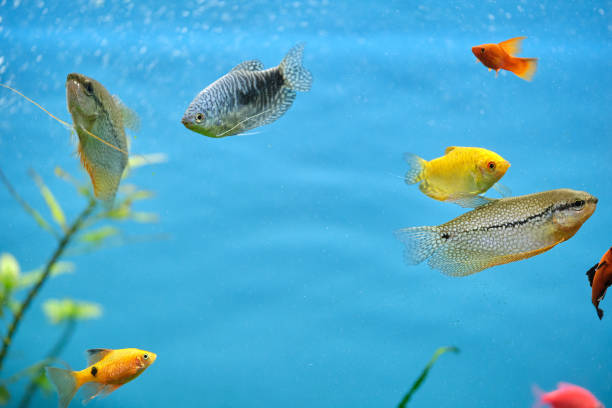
538	394
420	243
416	165
296	76
65	382
524	67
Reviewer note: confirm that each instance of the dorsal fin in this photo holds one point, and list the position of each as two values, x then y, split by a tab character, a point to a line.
252	65
130	118
449	149
512	46
591	273
95	355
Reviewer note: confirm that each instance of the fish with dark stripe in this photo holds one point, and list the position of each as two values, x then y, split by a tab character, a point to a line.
499	232
248	96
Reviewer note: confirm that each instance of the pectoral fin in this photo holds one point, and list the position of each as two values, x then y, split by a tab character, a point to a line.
470	201
502	190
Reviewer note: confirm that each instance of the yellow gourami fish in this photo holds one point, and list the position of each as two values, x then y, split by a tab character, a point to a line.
107	370
95	111
458	176
502	231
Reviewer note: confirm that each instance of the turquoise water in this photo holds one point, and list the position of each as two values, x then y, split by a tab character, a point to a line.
279	281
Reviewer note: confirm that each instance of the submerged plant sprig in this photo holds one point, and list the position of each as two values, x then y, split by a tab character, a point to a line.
89	232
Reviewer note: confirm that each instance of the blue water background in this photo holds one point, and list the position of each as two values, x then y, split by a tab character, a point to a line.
281	283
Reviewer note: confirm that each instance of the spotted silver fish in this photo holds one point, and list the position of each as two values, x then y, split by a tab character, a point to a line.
248	96
99	120
499	232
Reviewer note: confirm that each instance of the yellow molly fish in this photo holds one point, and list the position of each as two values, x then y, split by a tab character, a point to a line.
461	174
99	120
502	231
107	370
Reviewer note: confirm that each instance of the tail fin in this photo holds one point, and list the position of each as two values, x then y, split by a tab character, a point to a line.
296	76
524	67
538	394
416	166
420	242
65	382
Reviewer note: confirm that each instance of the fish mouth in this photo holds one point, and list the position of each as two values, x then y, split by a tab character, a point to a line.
152	358
504	165
186	122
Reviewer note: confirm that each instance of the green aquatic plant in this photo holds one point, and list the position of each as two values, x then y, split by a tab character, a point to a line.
419	381
90	230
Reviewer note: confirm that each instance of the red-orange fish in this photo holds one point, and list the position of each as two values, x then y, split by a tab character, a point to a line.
566	396
502	56
600	278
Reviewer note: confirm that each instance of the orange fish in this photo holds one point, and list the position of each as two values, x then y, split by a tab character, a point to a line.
566	396
107	371
600	278
502	56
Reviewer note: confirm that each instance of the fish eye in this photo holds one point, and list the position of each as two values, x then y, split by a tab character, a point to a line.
491	165
89	87
199	117
145	356
578	204
482	50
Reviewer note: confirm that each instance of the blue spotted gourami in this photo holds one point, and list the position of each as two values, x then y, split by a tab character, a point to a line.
499	232
248	96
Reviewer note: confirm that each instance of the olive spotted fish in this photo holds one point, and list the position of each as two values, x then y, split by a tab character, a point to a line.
99	120
499	232
248	96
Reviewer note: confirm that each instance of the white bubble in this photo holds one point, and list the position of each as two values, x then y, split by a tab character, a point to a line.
491	17
143	49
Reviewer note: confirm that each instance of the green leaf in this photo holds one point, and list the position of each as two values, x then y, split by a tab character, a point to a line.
30	278
419	381
67	309
119	212
146	159
43	383
56	211
145	217
9	271
4	395
98	235
143	160
81	188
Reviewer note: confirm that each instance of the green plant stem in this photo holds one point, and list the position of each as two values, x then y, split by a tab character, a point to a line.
6	341
419	381
52	355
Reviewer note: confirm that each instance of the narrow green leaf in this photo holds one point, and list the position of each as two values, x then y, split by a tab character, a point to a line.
419	381
9	271
147	159
30	278
81	188
4	395
33	213
145	217
43	383
143	160
98	235
119	212
67	309
56	211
